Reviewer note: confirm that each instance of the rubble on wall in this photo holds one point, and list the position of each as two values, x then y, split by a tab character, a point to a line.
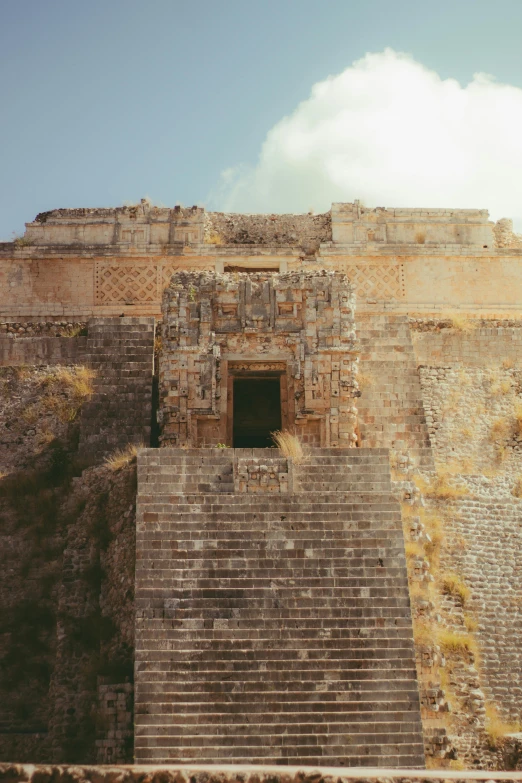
129	210
306	231
504	235
35	328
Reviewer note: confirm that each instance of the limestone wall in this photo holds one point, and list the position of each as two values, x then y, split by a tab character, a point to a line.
138	225
472	391
471	345
489	528
38	284
354	223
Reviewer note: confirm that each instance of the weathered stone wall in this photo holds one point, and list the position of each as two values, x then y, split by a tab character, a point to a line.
300	325
473	343
131	226
121	353
66	637
34	351
472	415
66	577
489	528
355	223
95	621
74	264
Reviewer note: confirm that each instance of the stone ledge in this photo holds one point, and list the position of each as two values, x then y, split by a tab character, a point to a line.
230	773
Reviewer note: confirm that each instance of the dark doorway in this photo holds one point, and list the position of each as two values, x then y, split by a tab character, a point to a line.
257	411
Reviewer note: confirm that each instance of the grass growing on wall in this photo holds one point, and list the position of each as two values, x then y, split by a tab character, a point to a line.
123	457
452	584
497	728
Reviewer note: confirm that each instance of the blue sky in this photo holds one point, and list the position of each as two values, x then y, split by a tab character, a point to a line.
105	102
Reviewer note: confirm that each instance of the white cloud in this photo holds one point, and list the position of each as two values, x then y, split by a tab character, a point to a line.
389	132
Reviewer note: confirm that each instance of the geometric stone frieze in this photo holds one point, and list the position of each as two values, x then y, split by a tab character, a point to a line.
376	281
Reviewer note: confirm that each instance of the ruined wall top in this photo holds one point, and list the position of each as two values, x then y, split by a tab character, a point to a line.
149	228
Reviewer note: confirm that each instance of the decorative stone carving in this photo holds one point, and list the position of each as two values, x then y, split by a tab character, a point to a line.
299	325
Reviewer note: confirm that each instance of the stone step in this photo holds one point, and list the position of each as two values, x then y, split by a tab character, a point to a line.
342	755
351	678
307	525
290	500
382	699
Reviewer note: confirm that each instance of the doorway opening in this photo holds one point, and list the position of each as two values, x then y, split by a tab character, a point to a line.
257	411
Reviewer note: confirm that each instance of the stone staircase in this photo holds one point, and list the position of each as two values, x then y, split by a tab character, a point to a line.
391	411
272	627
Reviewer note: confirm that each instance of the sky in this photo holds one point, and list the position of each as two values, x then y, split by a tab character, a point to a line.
272	106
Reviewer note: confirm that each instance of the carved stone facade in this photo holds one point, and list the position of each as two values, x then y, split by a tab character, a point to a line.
295	329
73	264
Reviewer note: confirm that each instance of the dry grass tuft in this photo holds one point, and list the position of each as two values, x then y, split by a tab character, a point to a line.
505	386
518	418
122	457
462	323
501	453
290	445
517	489
497	728
453	585
420	237
424	634
73	331
460	467
470	623
414	549
455	642
500	430
433	526
457	764
214	239
65	392
508	363
499	384
439	488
